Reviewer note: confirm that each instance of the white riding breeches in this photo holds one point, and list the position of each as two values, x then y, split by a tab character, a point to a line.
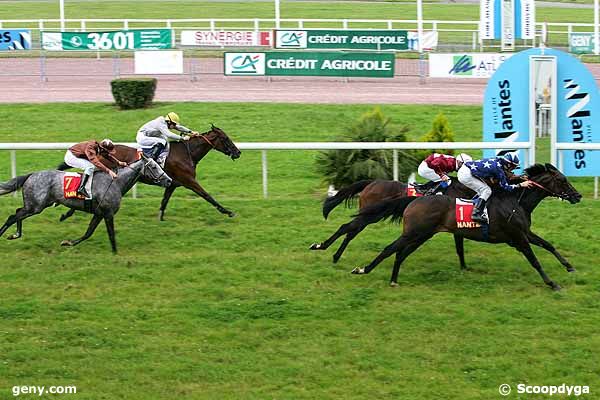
81	163
147	142
480	187
428	173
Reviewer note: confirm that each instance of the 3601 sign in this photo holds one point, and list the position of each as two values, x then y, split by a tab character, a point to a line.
114	40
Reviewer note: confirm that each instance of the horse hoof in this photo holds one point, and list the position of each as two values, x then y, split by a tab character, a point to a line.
13	237
66	243
231	214
393	284
556	287
315	246
571	269
358	271
335	259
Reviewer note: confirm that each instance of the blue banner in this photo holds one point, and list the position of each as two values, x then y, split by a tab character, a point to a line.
506	108
15	39
506	105
578	114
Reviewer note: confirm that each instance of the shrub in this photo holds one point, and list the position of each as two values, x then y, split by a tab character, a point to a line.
440	132
343	167
133	92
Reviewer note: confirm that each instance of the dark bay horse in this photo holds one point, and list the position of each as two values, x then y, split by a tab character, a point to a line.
372	192
509	215
45	188
181	165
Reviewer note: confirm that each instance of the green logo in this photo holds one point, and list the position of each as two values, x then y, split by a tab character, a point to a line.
463	65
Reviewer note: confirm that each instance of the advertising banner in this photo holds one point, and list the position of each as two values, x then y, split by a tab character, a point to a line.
15	39
376	65
226	38
581	43
144	39
465	65
158	62
341	39
491	15
507	106
430	40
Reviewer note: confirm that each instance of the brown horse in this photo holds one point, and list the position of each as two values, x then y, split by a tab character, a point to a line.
509	215
180	165
372	192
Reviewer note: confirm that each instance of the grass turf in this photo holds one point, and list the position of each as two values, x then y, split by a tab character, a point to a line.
202	306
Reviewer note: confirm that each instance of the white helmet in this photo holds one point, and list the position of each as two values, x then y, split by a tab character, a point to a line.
462	158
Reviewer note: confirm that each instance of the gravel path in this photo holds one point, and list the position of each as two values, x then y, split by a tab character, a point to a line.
77	80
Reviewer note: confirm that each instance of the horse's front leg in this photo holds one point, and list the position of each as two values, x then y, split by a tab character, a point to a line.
194	186
165	200
91	228
110	229
525	248
538	241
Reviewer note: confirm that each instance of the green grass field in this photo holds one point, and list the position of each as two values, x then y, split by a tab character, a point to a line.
206	307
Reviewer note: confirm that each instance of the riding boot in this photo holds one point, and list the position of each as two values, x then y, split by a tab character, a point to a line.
156	150
81	189
477	215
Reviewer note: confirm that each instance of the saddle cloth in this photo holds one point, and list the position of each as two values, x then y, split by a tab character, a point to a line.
464	209
411	191
71	182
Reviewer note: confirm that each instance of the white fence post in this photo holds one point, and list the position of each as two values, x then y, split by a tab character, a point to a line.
395	162
13	166
264	174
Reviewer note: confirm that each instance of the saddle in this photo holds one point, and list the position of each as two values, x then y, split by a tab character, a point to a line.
464	209
71	182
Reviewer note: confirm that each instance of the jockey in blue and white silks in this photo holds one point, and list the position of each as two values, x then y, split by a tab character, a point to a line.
473	173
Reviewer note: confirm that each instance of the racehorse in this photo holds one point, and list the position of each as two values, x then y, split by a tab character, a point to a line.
509	216
180	165
372	192
45	188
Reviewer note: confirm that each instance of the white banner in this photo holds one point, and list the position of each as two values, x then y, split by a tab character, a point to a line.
430	40
461	65
225	38
486	19
527	19
158	62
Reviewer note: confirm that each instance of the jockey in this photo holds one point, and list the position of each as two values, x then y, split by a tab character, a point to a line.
436	167
84	156
473	173
154	134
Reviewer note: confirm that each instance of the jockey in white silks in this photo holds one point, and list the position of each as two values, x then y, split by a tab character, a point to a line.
152	136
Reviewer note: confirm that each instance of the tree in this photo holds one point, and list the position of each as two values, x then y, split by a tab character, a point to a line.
343	167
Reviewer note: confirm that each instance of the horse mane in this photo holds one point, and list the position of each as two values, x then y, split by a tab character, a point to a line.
538	169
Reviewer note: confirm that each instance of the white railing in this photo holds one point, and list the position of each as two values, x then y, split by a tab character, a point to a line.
83	24
264	146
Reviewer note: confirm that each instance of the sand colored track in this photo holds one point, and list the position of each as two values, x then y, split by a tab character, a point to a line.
79	80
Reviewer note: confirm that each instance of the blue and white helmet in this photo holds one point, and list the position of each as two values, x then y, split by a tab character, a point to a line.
512	158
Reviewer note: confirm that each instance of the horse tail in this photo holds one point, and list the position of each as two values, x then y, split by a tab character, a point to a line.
13	184
392	207
63	166
348	194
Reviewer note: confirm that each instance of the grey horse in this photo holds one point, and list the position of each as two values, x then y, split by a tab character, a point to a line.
45	188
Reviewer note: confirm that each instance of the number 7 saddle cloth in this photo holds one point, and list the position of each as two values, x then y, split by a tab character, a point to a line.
71	182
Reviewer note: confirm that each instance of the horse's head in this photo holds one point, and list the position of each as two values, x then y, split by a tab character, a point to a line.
153	172
221	142
552	180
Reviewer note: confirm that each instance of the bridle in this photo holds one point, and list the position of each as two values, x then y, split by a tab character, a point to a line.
562	196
